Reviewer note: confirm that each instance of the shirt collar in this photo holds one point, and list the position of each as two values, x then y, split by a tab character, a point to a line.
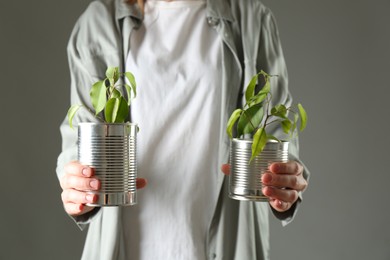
218	9
124	10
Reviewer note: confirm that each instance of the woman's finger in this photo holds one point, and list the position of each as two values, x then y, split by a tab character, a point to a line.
285	195
75	209
279	205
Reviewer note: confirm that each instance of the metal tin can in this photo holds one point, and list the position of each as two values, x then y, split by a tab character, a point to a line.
245	176
111	150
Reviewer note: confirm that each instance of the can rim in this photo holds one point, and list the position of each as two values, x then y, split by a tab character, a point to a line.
247	140
104	123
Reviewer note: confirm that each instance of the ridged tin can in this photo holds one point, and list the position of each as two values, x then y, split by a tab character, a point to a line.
245	176
110	149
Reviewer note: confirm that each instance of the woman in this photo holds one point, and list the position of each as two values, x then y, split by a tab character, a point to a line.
191	60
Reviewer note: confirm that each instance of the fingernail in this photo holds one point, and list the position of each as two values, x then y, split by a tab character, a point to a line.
89	197
94	184
283	205
275	167
268	191
267	178
85	172
80	207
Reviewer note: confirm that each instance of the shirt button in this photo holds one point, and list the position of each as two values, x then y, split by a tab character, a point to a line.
213	256
212	21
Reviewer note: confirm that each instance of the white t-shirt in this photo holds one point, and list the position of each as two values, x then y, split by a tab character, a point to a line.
175	57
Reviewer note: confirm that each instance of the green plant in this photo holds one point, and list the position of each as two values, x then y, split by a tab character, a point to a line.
106	96
257	114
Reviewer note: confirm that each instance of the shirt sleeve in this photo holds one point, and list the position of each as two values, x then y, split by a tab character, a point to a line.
271	59
85	67
95	44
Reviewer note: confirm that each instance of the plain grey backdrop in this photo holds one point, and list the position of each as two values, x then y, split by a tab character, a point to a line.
338	57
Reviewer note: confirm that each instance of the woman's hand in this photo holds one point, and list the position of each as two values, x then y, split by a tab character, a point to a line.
76	185
281	183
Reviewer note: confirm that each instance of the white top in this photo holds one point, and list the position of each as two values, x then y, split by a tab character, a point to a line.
175	57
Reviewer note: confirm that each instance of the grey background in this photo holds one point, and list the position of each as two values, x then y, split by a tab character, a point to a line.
338	58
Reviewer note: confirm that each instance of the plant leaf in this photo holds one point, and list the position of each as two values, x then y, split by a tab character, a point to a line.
250	89
116	93
116	110
271	137
111	110
123	110
287	126
129	93
303	116
130	77
71	113
260	97
98	96
112	73
250	119
232	120
266	88
132	87
259	141
279	111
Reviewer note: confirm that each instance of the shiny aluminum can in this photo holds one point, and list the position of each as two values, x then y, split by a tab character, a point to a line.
110	149
245	178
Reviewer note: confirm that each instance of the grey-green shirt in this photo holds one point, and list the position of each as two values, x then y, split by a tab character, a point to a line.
238	230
